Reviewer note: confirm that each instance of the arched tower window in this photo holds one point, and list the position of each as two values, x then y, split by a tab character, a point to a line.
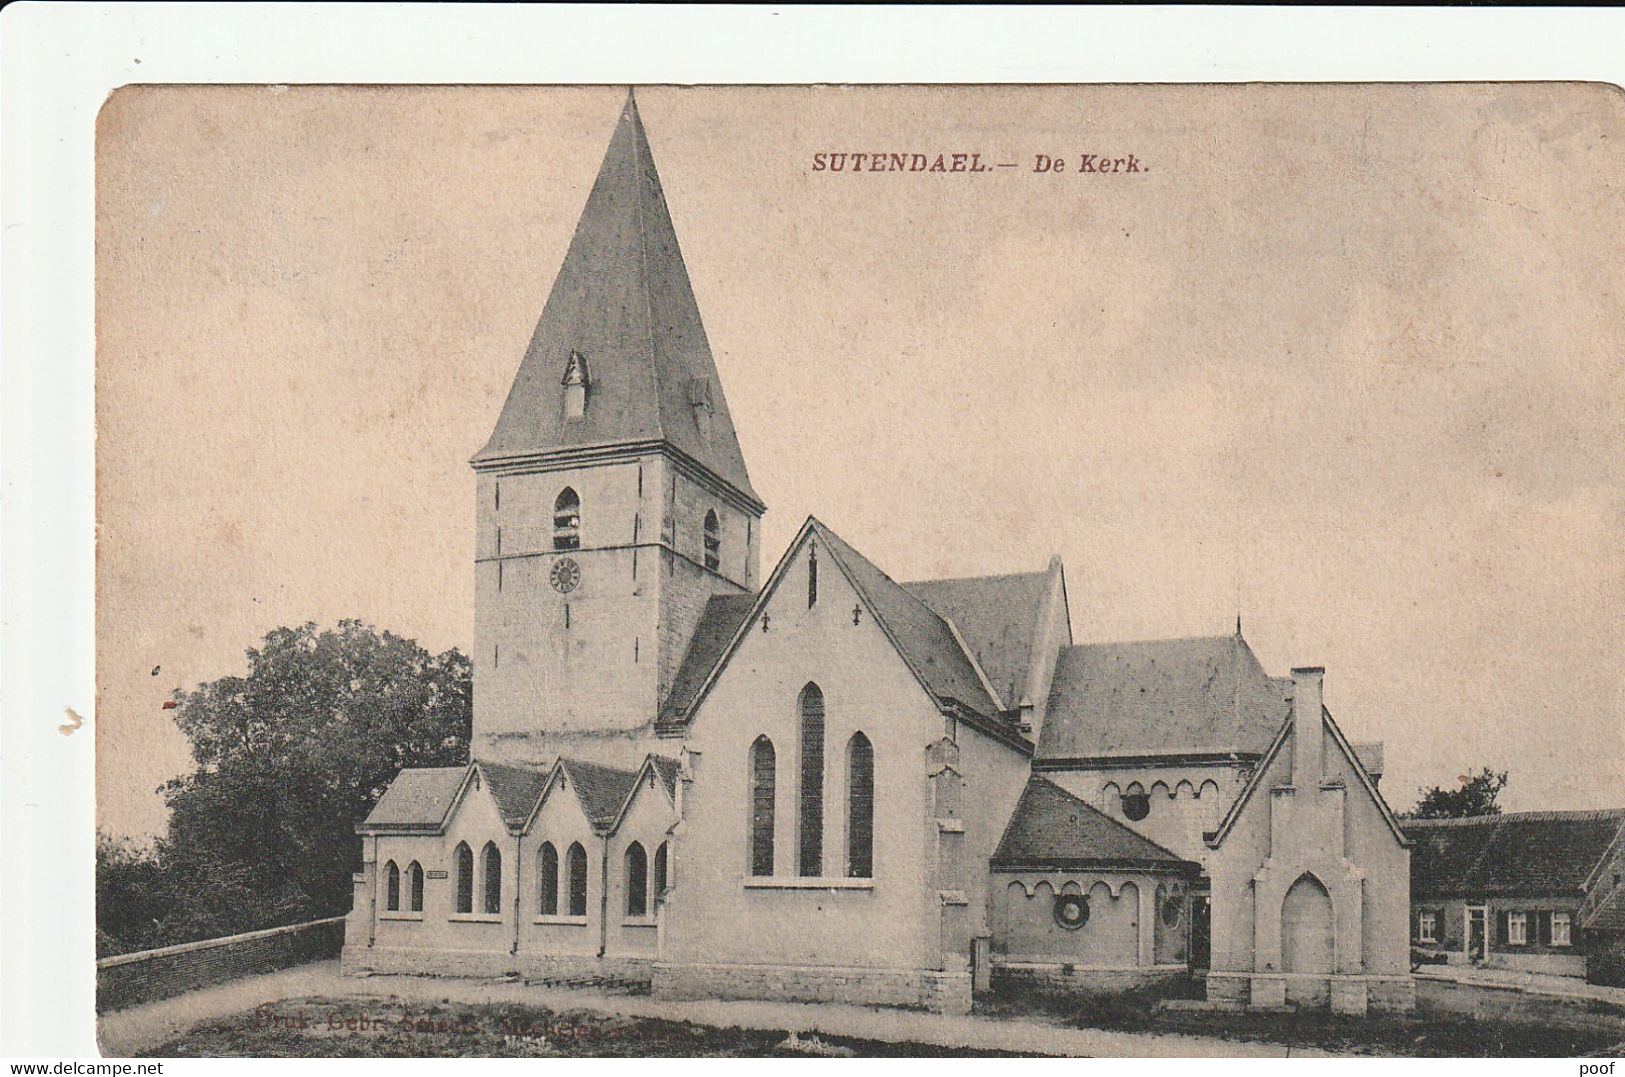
465	877
576	866
661	877
576	381
637	880
810	849
548	880
414	886
860	807
567	520
493	878
713	541
392	887
762	774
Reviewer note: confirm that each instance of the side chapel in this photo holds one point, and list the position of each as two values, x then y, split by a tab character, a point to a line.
826	784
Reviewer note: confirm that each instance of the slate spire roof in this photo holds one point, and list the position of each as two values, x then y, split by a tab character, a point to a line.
622	302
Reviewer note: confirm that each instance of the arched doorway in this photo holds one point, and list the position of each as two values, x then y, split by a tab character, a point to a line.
1306	927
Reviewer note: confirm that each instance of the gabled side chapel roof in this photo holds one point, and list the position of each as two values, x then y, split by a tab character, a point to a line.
997	617
1053	830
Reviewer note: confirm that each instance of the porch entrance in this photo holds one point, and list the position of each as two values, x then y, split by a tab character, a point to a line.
1201	945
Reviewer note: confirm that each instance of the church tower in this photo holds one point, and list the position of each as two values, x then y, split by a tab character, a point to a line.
612	497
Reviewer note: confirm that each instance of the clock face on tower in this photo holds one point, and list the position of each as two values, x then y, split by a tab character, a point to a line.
564	575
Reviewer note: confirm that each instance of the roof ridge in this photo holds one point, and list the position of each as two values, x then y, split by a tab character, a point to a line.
1041	573
1577	815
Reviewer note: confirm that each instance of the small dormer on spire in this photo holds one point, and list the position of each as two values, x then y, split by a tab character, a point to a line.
576	383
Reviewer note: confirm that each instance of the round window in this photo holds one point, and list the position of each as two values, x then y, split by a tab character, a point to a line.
1172	910
1071	911
1136	806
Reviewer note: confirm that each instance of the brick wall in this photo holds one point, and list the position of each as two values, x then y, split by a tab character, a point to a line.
128	979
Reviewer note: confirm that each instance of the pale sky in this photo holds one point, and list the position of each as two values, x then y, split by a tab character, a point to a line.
1349	356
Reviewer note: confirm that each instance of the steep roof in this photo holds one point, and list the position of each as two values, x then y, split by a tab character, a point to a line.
719	621
997	616
600	789
515	789
1051	828
667	770
622	300
417	799
1207	694
1524	854
926	641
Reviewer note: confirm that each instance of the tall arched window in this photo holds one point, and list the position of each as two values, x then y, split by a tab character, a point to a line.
576	866
713	541
493	878
763	766
567	520
637	880
414	886
392	887
465	877
860	807
811	799
660	881
548	880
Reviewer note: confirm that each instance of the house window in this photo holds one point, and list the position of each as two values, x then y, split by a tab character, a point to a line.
548	880
414	887
637	880
465	878
576	864
567	520
860	807
1517	929
762	775
661	869
1561	929
811	800
392	887
1427	927
713	542
493	878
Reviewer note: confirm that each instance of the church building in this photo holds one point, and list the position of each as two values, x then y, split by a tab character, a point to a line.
825	784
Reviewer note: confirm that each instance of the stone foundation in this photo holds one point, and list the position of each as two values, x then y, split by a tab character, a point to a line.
486	963
1056	976
1353	994
940	992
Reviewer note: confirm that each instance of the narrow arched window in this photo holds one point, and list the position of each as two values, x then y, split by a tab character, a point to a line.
465	877
576	865
414	886
637	880
661	878
493	878
860	807
713	541
392	887
567	520
810	850
763	766
812	575
548	880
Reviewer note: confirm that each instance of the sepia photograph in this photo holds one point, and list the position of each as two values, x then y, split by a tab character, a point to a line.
860	570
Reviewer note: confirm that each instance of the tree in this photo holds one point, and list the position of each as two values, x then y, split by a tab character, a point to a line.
1474	795
289	759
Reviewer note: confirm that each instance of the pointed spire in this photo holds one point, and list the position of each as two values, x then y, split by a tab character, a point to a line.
623	303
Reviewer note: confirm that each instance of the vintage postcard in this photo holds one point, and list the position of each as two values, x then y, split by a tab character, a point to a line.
851	571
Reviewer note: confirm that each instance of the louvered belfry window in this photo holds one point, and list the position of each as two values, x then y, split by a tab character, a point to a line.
860	808
567	520
713	542
762	764
811	818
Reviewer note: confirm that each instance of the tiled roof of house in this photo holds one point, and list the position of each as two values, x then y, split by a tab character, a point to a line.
602	790
997	616
1525	854
417	799
1207	694
515	789
926	641
719	621
1052	829
623	302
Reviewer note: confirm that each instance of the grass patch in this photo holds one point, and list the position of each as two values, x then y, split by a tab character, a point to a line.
1429	1031
399	1028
